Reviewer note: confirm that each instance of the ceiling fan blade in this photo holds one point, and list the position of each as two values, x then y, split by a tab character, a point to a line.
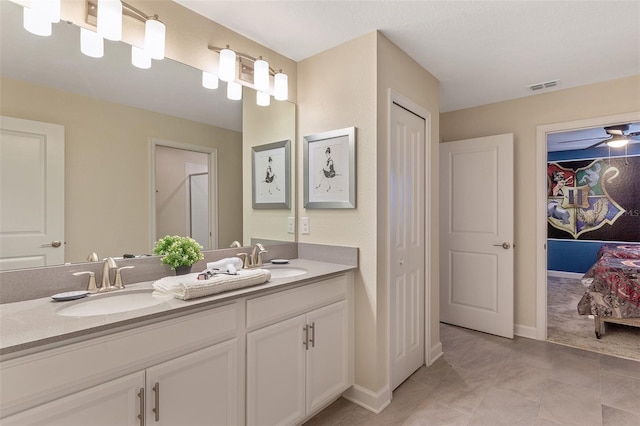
581	140
597	144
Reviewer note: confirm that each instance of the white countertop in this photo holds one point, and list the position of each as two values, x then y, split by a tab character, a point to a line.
34	325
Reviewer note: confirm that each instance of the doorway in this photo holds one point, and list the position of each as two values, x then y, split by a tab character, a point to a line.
541	203
183	192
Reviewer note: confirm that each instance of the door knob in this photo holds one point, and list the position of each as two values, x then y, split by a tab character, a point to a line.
505	246
54	244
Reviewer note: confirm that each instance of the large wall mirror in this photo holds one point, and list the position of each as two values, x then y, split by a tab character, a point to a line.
114	117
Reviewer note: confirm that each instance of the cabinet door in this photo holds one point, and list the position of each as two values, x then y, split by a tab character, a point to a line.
116	402
328	355
200	388
276	373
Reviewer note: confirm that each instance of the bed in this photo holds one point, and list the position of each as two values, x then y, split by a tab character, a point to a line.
614	287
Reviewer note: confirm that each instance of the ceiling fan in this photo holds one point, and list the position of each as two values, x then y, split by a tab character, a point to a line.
617	136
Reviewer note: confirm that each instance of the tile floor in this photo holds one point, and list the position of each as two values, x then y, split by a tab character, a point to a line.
488	380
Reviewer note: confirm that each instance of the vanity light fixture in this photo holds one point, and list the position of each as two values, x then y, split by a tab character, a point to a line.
35	22
227	66
261	75
91	43
281	86
110	19
209	81
154	37
234	91
263	98
140	58
618	141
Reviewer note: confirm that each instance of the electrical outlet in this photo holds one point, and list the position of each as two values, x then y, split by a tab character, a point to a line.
304	225
291	225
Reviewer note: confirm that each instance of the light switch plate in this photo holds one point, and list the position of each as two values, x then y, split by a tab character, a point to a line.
304	225
291	225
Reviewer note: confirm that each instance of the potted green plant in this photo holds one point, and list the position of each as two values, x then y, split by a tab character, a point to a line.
178	252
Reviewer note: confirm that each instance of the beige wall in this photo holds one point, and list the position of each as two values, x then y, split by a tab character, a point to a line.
348	86
398	71
260	126
520	117
107	166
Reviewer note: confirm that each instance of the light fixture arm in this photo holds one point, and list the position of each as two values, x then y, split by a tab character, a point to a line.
272	72
127	10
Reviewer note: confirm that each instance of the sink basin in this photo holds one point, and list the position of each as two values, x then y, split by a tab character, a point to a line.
283	271
110	303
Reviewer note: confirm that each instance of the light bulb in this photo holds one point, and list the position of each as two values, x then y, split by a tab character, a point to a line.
261	75
91	43
617	141
263	98
234	91
36	22
281	86
227	67
140	58
154	38
209	81
110	19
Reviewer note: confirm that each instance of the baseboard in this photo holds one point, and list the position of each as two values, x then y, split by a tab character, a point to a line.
435	353
563	274
372	401
525	331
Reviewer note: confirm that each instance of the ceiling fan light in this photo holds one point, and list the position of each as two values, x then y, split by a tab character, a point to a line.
234	91
140	58
209	81
110	19
261	75
91	43
227	66
281	86
154	38
36	22
618	141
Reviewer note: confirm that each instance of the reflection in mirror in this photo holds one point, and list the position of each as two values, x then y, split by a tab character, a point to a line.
110	112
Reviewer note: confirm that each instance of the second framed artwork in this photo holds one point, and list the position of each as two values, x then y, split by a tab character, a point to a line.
271	172
330	170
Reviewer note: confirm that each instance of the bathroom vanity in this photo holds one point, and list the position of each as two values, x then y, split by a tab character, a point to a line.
276	353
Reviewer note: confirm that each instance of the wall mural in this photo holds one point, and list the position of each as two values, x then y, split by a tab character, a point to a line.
596	199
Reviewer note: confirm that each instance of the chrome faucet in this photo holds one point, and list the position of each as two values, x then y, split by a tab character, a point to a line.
109	263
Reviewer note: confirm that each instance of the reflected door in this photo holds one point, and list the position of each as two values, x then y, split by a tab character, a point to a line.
31	193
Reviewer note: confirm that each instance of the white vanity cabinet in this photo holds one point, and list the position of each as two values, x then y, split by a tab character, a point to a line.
302	360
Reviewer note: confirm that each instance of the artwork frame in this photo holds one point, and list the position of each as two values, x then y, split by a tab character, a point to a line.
271	175
329	185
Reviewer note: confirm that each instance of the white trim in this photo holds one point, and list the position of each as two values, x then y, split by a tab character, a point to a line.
525	331
564	274
213	186
408	104
541	202
372	401
434	353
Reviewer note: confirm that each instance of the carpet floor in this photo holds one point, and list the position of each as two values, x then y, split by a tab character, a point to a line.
565	326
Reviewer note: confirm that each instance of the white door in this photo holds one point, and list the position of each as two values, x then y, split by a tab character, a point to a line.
476	234
276	373
407	243
31	193
117	402
200	388
327	355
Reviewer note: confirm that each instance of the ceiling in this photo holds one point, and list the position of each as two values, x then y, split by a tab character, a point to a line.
481	51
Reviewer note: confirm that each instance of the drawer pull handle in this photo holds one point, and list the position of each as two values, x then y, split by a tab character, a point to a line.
306	337
313	334
142	408
156	409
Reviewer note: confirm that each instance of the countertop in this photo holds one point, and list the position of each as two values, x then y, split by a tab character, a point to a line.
33	325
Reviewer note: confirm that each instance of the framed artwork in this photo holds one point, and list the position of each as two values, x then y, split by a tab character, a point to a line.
330	170
271	171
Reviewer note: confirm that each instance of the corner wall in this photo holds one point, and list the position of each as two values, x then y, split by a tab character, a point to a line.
520	117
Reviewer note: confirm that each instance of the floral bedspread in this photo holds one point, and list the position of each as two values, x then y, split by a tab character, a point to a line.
615	289
619	251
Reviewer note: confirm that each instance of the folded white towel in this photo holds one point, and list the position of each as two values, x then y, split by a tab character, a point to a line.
222	264
188	286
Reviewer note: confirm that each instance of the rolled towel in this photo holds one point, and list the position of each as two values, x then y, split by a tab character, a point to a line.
223	264
185	287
